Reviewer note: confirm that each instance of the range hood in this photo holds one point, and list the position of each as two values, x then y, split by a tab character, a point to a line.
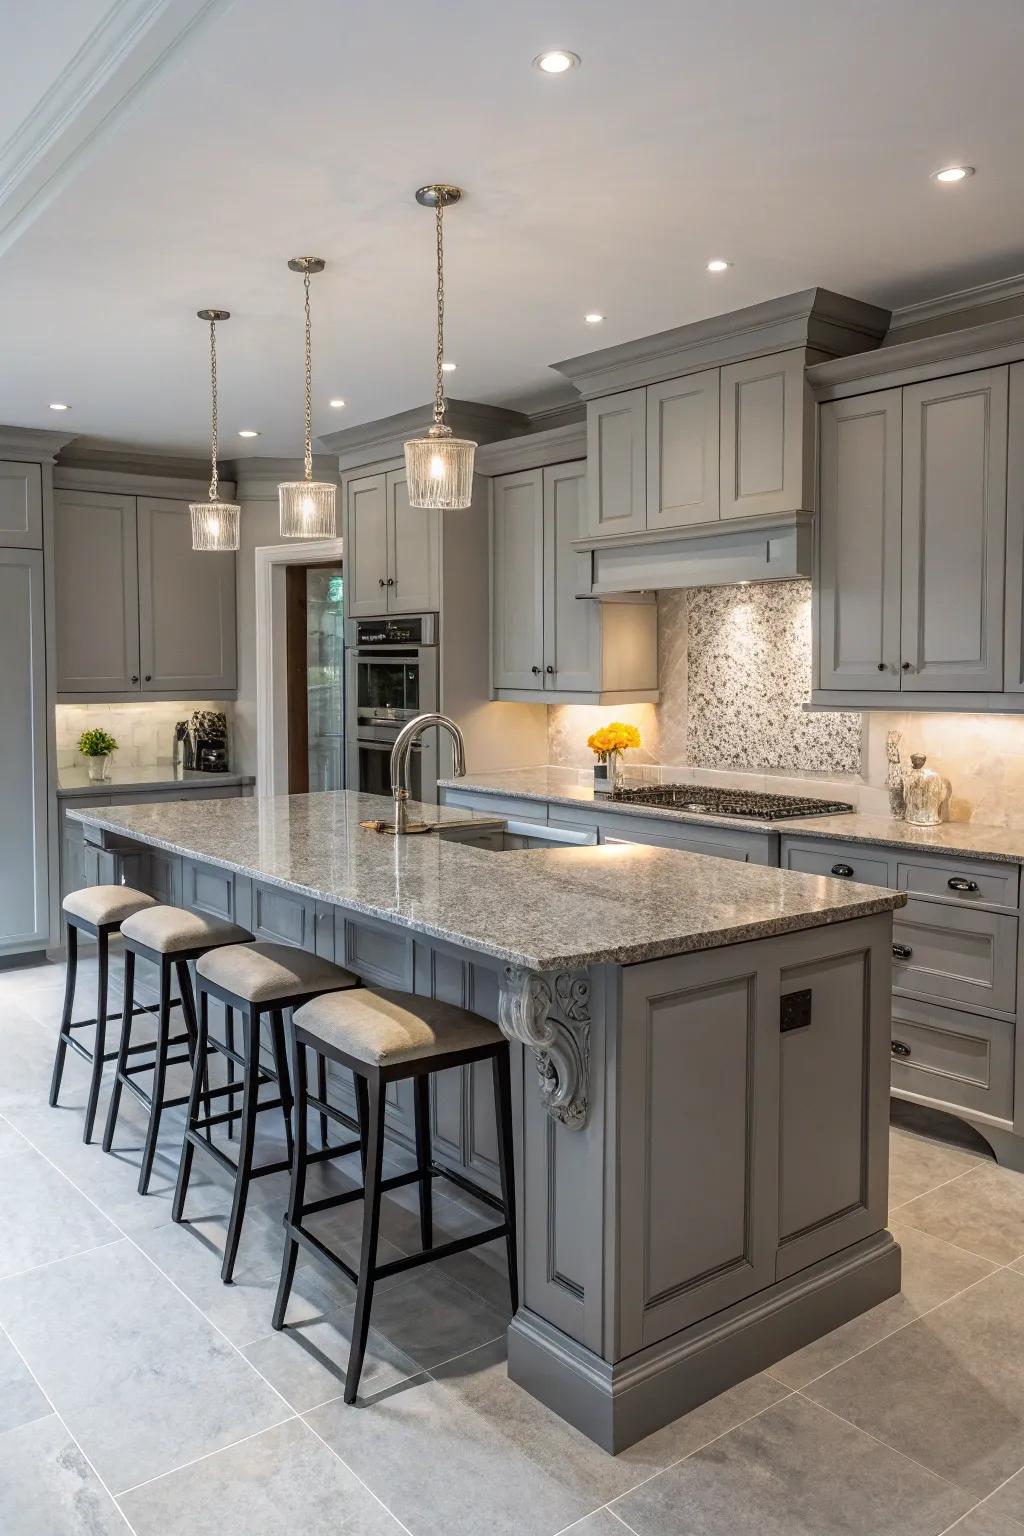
778	547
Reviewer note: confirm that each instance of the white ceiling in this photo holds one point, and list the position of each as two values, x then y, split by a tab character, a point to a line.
794	138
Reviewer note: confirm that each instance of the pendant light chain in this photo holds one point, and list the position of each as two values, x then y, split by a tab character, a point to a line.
439	402
309	384
213	410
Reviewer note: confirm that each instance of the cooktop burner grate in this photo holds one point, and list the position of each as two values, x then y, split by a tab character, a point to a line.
711	800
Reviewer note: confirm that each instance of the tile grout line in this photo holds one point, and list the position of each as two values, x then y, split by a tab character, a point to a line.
421	1370
206	1456
935	1187
63	1424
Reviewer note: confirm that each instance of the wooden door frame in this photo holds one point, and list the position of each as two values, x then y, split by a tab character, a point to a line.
271	652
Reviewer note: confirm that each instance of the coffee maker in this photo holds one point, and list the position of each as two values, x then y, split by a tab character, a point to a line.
201	742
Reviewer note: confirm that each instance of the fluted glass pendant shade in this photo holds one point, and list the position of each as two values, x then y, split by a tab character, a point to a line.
214	522
439	467
307	509
307	505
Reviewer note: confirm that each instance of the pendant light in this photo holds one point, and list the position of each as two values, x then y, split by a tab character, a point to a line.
307	505
439	466
214	522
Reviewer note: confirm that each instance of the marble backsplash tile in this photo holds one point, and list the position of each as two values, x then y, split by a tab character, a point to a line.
144	732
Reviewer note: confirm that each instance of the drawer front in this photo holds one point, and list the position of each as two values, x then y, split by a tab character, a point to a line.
496	805
971	883
955	1058
955	954
205	888
283	917
843	861
692	837
381	956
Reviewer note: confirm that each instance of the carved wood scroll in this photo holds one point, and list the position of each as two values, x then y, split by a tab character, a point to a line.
550	1014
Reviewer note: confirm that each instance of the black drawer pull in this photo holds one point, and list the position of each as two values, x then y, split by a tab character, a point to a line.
900	1048
902	951
958	883
843	870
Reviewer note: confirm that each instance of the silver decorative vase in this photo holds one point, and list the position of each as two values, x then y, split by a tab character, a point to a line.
894	777
927	794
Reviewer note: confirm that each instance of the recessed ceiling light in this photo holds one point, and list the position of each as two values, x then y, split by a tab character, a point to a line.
716	264
58	405
556	61
448	367
337	404
954	173
247	432
594	318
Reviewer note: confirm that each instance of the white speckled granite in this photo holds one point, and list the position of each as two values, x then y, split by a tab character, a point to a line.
76	781
545	909
965	838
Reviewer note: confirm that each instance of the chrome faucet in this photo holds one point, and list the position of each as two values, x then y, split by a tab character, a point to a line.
407	736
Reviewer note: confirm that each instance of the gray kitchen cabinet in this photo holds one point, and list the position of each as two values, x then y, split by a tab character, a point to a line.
21	506
1013	669
860	498
767	427
392	550
186	605
955	954
518	572
97	593
949	1057
683	451
572	627
617	463
954	532
24	895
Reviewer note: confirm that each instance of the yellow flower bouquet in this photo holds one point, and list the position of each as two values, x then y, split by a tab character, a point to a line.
607	745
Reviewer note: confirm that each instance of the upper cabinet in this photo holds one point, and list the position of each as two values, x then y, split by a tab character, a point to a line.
616	463
392	550
21	506
914	550
138	611
548	643
682	451
767	450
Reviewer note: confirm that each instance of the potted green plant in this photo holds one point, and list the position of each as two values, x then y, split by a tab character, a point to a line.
97	746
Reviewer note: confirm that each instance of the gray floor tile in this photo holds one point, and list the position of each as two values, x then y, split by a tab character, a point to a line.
283	1480
793	1471
601	1523
947	1390
142	1380
42	1216
47	1487
27	1060
1008	1501
917	1165
982	1521
983	1211
20	1398
933	1271
307	1361
433	1318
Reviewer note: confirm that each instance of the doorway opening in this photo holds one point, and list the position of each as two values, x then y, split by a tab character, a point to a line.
315	671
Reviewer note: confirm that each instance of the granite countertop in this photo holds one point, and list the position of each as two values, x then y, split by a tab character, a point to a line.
76	781
968	839
544	909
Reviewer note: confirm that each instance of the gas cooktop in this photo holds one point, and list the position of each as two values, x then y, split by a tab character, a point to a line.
709	800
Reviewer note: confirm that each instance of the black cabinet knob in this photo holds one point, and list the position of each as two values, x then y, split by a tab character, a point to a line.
380	581
391	581
901	951
906	666
550	670
881	666
135	677
958	883
844	871
535	671
148	677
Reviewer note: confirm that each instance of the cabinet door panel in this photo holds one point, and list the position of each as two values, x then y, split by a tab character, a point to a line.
366	547
572	628
954	531
767	426
682	451
24	899
1013	674
186	604
859	530
21	506
518	577
414	551
617	463
97	593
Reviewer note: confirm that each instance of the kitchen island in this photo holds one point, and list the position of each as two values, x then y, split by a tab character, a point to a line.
700	1068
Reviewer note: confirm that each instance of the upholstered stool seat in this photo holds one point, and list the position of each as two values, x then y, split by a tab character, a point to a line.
97	910
383	1037
258	978
168	937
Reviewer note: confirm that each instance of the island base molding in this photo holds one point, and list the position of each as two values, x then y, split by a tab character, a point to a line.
616	1405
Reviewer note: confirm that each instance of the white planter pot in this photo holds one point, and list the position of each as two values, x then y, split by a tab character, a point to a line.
99	768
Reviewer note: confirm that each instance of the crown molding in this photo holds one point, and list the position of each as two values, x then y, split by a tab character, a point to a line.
814	318
965	300
133	481
257	479
374	442
32	443
533	451
926	357
132	43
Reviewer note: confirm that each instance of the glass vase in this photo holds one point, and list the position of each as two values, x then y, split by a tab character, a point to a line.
99	768
927	794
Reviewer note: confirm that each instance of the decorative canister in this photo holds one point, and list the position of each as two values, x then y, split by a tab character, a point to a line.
894	777
927	794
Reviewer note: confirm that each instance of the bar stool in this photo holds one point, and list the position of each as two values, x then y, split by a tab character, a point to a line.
168	937
97	910
383	1037
256	979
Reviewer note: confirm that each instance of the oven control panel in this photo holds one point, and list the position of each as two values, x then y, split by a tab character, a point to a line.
410	629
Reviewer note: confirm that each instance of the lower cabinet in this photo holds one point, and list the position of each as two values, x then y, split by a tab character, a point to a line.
24	893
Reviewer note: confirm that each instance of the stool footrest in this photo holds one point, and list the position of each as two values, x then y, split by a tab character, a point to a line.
230	1114
148	1066
410	1260
204	1144
146	1099
330	1112
84	1051
470	1188
329	1202
142	1008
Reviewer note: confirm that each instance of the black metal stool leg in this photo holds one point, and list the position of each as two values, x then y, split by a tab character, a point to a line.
99	1041
296	1190
421	1086
506	1162
280	1051
363	1112
65	1019
247	1140
163	1032
200	1064
122	1050
229	1041
192	1113
371	1227
321	1093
